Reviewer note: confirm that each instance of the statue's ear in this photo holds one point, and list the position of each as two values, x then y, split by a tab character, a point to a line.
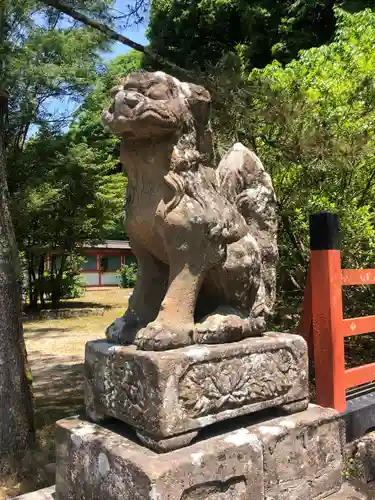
199	101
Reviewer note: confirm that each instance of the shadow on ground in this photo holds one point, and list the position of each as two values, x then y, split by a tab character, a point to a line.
43	332
57	388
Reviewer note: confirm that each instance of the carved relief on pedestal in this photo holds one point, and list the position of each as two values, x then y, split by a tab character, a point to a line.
211	387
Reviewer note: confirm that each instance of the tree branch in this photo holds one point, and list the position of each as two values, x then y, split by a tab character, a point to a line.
296	244
113	35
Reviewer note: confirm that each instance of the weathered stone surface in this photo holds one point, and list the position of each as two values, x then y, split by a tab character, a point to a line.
95	463
205	240
347	492
296	458
302	454
360	458
167	394
353	492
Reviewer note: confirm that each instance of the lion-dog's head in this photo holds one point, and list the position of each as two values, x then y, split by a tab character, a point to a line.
153	105
157	109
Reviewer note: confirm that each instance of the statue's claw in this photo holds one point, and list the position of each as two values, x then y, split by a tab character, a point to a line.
227	325
158	337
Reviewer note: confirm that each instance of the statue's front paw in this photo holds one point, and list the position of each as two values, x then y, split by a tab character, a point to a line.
224	325
159	337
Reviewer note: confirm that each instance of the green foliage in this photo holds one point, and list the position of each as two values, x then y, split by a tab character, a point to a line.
312	123
197	33
88	129
66	187
66	196
60	201
112	194
67	277
128	273
52	278
72	281
73	287
47	57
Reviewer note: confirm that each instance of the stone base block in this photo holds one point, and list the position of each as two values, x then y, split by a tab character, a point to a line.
347	492
287	458
167	394
360	458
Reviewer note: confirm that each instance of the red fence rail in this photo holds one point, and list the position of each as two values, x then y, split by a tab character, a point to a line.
322	322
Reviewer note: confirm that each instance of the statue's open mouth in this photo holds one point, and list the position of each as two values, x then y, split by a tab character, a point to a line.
152	112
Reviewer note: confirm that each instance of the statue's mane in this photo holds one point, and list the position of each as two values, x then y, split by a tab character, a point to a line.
192	156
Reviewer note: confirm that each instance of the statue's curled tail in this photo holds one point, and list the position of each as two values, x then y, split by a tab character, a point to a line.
244	182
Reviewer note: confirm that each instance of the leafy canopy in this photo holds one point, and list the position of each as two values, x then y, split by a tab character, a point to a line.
312	123
197	33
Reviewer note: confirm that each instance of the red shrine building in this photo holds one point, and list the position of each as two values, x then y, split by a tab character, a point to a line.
102	262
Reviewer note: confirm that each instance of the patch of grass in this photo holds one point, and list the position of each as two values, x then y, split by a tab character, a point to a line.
56	351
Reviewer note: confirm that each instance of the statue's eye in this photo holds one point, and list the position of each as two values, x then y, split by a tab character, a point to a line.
157	93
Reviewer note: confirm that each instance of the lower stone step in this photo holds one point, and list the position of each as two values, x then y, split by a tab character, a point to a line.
348	492
297	457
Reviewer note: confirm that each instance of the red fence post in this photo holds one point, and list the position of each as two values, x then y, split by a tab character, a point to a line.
327	312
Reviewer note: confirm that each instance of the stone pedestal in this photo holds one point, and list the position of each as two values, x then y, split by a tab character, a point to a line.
297	457
161	399
168	396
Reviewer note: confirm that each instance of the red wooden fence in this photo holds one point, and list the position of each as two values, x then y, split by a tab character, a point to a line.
322	322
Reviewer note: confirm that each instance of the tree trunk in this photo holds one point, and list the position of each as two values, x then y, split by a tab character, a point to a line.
41	282
57	280
67	9
33	296
16	410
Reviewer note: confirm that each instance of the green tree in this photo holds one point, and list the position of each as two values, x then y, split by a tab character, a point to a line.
42	56
69	188
312	123
53	58
88	129
61	204
197	33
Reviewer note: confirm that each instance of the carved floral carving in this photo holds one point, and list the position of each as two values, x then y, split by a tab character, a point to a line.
211	387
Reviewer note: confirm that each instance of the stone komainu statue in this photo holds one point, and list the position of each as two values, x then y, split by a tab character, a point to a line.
205	239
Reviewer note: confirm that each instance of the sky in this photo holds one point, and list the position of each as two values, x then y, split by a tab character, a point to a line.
135	33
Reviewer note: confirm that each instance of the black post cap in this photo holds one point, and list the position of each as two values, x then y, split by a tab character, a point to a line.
324	231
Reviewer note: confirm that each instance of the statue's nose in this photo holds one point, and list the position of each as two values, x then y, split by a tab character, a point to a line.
131	99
